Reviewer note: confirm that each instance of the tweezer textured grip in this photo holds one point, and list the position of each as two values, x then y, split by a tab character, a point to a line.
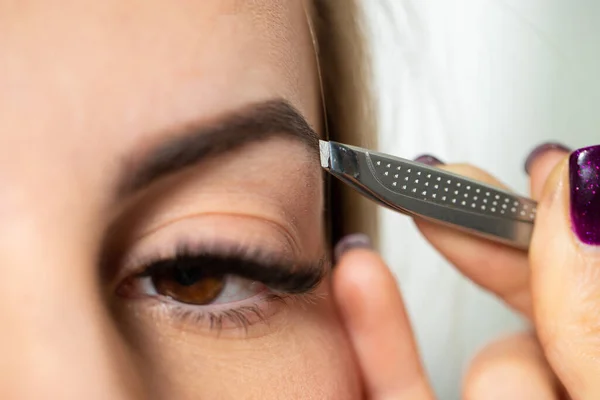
432	193
449	190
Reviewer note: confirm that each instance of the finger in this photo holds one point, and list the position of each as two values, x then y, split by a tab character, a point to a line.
511	368
565	265
497	268
373	313
540	162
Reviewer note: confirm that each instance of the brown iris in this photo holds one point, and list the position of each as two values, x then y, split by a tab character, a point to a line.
188	285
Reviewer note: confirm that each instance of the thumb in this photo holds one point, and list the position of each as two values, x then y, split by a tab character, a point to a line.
565	271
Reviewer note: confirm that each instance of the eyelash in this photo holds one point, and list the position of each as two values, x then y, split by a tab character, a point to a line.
281	283
240	317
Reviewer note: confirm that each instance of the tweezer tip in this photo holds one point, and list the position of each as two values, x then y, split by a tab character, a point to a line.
324	150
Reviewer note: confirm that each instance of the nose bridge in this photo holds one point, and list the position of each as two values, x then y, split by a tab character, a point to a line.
58	339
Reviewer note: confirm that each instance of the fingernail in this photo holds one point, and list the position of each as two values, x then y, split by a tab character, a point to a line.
584	177
541	149
354	241
429	160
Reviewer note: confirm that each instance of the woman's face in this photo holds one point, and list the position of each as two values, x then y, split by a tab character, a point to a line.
156	166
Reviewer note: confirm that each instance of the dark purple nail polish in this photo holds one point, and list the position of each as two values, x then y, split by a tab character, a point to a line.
429	160
584	177
354	241
541	149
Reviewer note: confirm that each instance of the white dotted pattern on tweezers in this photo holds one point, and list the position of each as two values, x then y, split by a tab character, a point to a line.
438	188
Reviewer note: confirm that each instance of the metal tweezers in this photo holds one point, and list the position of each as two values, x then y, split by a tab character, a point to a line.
431	193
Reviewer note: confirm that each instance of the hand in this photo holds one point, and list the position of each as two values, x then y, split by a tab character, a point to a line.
377	324
556	286
373	312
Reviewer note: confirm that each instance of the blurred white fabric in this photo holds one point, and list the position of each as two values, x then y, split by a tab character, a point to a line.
483	82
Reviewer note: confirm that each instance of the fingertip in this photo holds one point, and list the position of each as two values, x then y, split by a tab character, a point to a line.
430	160
361	279
510	368
359	267
540	164
507	379
541	151
564	284
552	181
350	242
584	185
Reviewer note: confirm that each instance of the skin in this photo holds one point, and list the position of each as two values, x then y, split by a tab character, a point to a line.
86	85
555	286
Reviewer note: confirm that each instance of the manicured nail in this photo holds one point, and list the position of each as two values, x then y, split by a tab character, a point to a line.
354	241
429	160
584	177
541	149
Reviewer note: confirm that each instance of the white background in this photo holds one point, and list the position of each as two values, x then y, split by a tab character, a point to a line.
478	81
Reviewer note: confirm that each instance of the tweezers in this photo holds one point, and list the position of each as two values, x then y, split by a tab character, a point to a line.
431	193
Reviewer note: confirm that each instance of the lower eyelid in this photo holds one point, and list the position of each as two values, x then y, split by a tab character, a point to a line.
258	310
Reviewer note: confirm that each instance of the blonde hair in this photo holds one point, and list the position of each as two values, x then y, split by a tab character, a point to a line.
343	58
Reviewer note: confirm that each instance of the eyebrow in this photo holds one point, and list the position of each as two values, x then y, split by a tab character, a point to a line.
196	142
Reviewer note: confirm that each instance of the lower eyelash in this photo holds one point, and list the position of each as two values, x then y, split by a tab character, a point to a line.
235	318
241	317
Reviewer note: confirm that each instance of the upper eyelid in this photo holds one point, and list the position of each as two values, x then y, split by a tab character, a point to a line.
116	265
286	235
289	236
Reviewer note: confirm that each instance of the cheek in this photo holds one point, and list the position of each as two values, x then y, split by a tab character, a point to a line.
322	359
304	354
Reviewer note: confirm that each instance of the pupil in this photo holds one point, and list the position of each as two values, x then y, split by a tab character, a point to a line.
187	276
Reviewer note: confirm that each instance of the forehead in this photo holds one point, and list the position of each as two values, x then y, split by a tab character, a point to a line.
226	40
103	74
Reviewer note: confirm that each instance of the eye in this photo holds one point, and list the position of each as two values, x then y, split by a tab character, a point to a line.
222	290
187	285
193	285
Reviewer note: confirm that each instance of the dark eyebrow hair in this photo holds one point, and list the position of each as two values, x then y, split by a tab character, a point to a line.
196	142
